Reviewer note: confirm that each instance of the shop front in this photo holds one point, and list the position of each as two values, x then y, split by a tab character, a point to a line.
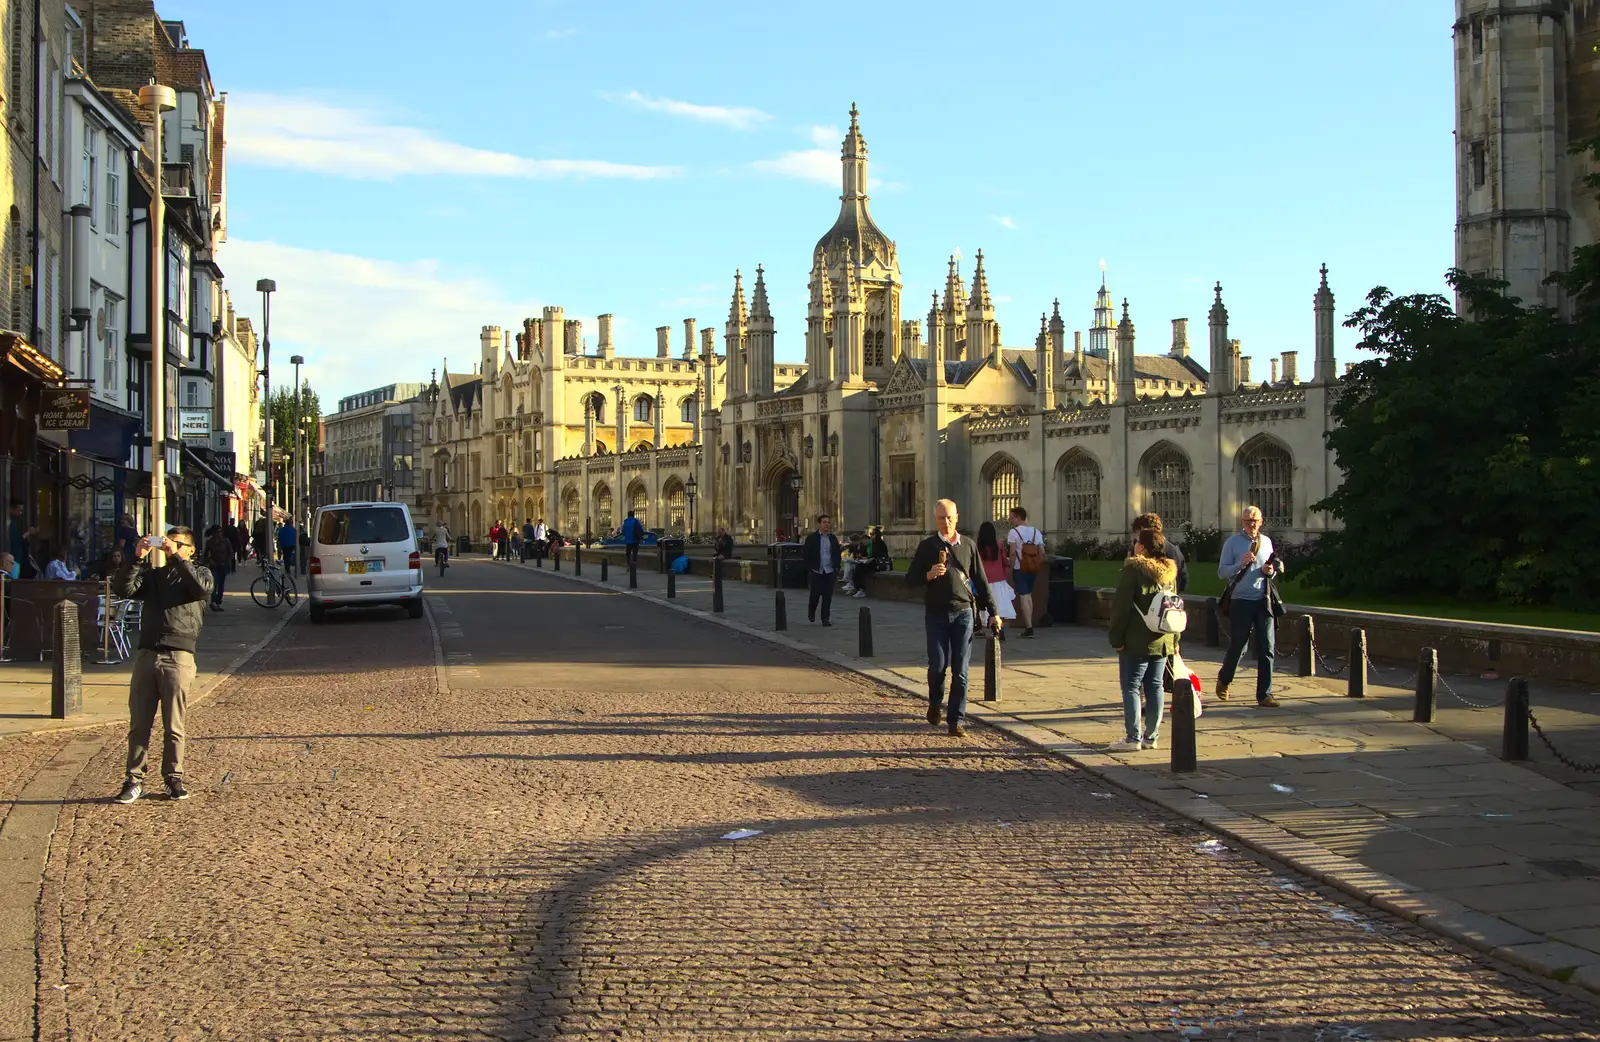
26	460
99	489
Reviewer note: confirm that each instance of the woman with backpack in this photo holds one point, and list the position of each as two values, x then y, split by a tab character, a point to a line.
1025	548
997	570
1140	636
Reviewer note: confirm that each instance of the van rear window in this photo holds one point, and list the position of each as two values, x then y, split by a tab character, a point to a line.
341	527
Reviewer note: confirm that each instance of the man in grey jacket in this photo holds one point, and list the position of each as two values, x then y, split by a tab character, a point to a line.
174	595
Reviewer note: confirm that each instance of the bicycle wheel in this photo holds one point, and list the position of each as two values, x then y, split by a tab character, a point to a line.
265	592
290	594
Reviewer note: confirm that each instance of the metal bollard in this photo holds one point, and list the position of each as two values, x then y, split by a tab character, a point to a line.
991	670
577	559
1185	758
605	570
1514	732
672	584
716	585
1308	647
1358	664
538	560
633	575
775	569
1427	687
864	634
66	672
780	614
555	556
1213	624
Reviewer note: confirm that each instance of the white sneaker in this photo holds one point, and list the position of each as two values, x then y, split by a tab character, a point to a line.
1152	743
847	588
859	593
1127	745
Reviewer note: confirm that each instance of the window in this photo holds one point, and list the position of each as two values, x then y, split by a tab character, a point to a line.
1166	480
903	482
1478	157
602	509
191	394
641	410
639	501
111	343
1005	491
686	410
363	525
1476	30
1269	483
597	409
675	508
113	196
91	172
1078	486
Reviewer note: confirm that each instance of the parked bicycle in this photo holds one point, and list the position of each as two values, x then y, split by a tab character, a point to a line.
274	587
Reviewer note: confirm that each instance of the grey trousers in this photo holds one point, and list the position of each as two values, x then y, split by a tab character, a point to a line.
161	679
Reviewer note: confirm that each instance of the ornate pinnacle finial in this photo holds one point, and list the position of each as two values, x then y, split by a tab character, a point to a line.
1219	291
1324	275
1055	308
1124	309
853	115
1044	323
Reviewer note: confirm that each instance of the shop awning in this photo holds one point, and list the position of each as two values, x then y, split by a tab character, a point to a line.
193	460
110	434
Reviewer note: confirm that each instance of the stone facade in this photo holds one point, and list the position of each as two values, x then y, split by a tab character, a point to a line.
1527	86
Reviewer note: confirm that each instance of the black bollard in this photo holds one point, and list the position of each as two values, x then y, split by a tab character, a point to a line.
538	560
1308	647
633	574
605	570
1184	756
577	559
1427	686
716	585
672	584
1213	624
555	556
775	569
1358	664
780	614
1514	732
864	634
991	670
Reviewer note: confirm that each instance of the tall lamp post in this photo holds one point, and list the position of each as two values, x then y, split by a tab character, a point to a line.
158	99
296	495
266	287
691	488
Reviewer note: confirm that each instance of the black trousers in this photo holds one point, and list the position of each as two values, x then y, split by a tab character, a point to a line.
821	590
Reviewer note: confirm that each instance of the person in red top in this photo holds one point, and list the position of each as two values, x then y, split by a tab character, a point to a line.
997	569
494	541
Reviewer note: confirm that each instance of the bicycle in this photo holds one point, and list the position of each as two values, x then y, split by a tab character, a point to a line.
274	587
442	557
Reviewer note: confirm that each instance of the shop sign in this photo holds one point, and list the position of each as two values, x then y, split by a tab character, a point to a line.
64	409
223	462
194	423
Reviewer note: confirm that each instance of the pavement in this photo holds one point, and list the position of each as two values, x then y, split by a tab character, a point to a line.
515	820
1423	820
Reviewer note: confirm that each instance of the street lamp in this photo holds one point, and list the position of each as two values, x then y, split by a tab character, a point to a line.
691	488
296	496
266	287
158	99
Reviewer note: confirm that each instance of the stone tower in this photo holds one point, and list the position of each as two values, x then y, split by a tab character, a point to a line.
1103	331
1527	85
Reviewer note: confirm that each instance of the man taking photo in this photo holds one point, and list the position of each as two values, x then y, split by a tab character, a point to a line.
174	593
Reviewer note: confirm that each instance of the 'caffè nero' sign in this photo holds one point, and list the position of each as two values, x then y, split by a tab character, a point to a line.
64	409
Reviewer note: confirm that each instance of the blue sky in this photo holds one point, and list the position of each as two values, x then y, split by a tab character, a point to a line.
408	175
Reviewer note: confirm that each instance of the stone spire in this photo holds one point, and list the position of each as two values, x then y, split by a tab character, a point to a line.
734	338
954	313
1222	372
1125	369
853	153
1044	368
1323	369
759	308
982	339
980	287
759	375
1101	332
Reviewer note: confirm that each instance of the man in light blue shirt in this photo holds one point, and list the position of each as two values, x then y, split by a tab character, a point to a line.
1248	555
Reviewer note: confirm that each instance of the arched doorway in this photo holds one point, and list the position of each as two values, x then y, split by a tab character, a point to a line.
783	493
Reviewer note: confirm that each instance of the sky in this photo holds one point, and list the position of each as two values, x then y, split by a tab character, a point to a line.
408	175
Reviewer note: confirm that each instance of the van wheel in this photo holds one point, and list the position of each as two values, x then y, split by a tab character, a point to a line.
414	608
319	614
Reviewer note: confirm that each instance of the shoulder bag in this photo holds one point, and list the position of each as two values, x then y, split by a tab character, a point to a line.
1225	602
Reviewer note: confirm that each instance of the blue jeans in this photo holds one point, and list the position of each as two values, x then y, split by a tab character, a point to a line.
1141	675
219	579
1243	617
949	649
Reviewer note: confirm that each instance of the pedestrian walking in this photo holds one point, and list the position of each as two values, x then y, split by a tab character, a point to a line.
218	558
528	533
503	544
1249	566
1142	649
286	543
541	539
1025	547
632	536
821	554
163	668
947	569
997	570
260	536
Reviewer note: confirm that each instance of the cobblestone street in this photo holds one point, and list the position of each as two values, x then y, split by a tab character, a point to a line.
536	852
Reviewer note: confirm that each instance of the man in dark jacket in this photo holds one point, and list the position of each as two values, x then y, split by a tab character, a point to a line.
632	536
947	569
1170	548
822	559
174	596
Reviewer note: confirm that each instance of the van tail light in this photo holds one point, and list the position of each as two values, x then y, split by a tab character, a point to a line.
416	561
314	566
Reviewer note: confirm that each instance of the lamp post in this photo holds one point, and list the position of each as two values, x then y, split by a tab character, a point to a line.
266	287
794	486
158	99
296	496
691	488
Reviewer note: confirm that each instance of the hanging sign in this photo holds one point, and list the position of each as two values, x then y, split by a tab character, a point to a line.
64	409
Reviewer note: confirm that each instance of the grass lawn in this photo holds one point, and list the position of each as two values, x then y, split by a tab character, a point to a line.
1203	582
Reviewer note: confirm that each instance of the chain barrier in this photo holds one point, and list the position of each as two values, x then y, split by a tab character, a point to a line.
1496	704
1584	768
1410	682
1326	665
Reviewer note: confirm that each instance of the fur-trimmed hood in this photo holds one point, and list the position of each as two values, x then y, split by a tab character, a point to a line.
1154	571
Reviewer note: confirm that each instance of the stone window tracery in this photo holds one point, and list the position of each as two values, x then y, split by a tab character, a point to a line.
1269	483
1166	486
1078	488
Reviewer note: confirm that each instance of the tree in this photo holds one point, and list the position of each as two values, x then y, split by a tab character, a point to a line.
1469	448
282	404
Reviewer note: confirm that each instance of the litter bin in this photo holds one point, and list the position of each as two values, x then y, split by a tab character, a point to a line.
1062	598
463	544
792	574
667	551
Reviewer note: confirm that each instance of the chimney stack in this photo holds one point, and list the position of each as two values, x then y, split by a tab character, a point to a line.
688	339
1180	338
1244	369
608	347
1290	360
663	341
1274	380
572	336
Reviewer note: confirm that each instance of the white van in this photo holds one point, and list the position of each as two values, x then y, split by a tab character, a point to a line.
362	555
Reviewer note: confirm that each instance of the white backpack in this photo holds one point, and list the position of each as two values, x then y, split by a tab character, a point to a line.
1166	613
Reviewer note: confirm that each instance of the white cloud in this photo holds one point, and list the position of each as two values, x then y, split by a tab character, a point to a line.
1005	222
826	136
812	164
305	134
559	34
738	117
363	322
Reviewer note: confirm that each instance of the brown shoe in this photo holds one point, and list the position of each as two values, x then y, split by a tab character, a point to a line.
934	715
1222	694
957	731
1268	703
